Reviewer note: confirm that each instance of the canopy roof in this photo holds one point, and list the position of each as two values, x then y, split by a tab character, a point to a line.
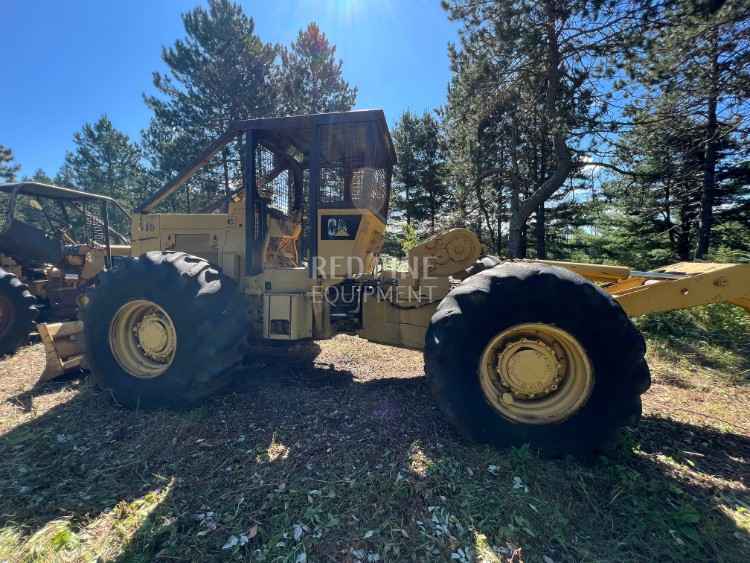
48	191
360	137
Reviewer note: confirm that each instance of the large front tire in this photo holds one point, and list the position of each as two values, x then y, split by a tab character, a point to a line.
163	330
18	312
530	353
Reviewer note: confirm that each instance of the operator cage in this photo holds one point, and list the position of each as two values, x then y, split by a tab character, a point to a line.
301	164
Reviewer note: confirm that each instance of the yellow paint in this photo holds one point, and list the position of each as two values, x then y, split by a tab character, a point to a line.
702	284
345	258
143	339
445	254
62	347
217	237
535	373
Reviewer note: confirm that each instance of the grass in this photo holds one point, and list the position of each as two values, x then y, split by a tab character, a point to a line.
714	336
348	460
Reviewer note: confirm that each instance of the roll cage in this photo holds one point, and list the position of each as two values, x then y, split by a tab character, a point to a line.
299	164
61	212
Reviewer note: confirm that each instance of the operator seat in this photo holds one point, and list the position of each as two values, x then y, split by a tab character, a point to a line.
280	245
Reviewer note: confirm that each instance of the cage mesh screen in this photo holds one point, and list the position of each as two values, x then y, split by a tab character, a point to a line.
273	184
93	225
306	227
332	186
370	189
4	204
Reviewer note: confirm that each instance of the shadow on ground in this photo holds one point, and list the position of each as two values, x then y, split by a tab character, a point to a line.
311	459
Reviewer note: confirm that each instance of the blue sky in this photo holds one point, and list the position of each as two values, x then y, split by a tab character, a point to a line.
68	62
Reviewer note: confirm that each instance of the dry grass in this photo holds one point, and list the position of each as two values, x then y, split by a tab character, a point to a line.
348	460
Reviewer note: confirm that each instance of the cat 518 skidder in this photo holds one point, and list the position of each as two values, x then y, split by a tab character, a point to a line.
515	352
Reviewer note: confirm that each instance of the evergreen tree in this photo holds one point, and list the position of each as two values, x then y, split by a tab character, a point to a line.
310	79
40	176
701	57
8	168
657	206
106	162
526	96
221	71
654	211
420	175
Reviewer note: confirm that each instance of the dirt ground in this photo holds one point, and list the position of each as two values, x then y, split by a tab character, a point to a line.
348	459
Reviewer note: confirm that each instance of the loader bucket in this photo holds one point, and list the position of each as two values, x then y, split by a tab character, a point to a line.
63	346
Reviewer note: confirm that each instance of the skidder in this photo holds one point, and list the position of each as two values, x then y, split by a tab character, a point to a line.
516	352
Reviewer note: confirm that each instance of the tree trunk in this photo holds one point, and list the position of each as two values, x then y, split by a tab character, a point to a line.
485	212
432	212
683	236
541	216
668	218
516	223
515	232
541	246
521	211
499	221
227	190
709	166
406	205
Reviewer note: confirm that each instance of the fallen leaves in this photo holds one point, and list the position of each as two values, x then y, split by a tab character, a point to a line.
350	461
519	485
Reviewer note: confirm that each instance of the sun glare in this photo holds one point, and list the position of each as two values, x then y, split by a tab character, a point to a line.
349	11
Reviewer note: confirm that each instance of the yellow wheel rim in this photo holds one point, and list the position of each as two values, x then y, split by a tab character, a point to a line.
143	339
536	374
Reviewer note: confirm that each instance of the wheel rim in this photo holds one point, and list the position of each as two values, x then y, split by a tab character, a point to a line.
7	314
143	339
536	374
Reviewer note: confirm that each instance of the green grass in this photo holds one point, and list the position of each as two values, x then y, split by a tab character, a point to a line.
715	336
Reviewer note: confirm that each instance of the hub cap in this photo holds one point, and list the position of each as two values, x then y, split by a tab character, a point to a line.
143	339
536	374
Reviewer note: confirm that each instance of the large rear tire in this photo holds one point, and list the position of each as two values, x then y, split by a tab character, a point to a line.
530	353
163	330
18	313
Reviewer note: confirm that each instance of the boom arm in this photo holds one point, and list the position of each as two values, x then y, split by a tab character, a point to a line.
677	286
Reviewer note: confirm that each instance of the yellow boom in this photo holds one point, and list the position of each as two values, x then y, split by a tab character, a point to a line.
678	286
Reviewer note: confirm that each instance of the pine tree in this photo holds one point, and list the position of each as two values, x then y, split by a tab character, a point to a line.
8	168
406	176
310	79
654	210
220	72
524	95
701	56
106	162
40	176
420	175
